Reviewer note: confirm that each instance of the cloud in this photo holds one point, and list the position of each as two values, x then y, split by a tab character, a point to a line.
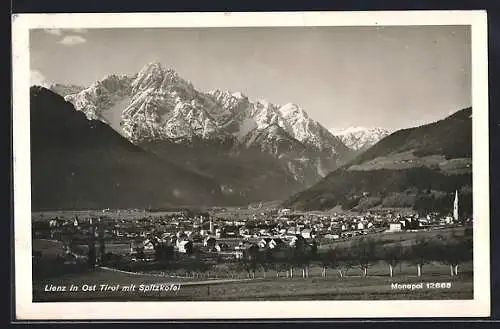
39	79
57	32
78	30
60	32
71	40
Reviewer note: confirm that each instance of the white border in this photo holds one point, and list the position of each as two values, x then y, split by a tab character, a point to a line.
26	310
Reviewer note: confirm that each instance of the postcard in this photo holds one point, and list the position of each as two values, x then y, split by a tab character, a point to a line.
184	166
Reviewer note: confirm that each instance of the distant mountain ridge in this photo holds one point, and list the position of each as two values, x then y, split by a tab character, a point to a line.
65	89
360	138
160	111
418	167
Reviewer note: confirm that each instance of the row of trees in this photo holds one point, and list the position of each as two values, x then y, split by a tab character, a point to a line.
361	253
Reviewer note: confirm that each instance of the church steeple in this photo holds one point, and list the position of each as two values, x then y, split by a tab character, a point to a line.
455	207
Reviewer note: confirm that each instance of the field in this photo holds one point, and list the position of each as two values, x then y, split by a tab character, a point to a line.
221	284
405	237
408	159
351	287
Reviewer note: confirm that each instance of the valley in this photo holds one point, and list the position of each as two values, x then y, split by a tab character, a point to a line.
145	180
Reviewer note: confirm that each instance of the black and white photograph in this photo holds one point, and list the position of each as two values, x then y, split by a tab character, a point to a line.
308	158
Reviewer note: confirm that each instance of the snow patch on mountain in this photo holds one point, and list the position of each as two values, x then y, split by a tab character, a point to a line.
157	104
360	138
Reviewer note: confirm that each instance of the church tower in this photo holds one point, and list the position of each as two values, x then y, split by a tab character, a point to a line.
455	207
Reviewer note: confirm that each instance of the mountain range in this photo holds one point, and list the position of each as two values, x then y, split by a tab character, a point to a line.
153	139
255	149
419	167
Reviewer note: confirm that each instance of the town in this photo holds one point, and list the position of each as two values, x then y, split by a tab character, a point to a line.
220	231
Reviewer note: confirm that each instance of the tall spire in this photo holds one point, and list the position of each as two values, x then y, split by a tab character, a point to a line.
455	207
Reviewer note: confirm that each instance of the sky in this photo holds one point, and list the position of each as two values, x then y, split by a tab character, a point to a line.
390	77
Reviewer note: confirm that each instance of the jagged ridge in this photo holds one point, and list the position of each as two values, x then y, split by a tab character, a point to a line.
157	104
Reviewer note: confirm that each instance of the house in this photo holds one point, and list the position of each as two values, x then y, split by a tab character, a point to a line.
447	220
184	246
395	227
166	235
307	233
292	241
285	211
263	243
423	222
360	226
148	245
274	243
209	242
243	245
263	232
270	243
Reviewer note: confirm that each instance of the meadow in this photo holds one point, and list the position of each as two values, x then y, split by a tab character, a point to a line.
352	287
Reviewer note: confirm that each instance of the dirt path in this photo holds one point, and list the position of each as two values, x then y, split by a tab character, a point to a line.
184	283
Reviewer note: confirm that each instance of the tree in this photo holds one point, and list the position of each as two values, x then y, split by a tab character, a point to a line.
421	253
344	261
302	255
329	259
265	260
324	260
163	253
196	265
392	256
279	259
364	252
91	260
453	251
250	260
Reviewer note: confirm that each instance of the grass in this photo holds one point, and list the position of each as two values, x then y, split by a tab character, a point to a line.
406	237
50	248
352	287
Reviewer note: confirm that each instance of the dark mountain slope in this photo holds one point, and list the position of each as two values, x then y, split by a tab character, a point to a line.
80	163
245	175
451	137
420	188
418	167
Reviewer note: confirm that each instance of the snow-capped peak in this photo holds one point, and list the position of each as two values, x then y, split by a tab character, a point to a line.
359	138
238	94
291	109
350	130
156	103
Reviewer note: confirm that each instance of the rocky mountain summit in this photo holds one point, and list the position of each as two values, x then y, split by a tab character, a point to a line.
164	113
